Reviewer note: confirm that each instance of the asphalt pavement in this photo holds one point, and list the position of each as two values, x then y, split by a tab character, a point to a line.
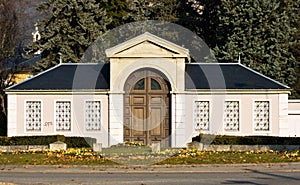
258	174
205	168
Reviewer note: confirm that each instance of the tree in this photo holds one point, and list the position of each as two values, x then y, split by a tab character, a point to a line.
27	16
117	10
153	10
68	30
8	30
263	32
73	25
296	51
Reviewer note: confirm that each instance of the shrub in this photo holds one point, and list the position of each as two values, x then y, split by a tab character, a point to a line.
246	140
72	142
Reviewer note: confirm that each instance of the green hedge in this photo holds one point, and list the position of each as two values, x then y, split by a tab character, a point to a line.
246	140
72	142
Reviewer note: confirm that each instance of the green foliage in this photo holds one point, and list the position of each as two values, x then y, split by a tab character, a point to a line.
154	10
246	140
69	30
117	10
72	142
263	32
79	142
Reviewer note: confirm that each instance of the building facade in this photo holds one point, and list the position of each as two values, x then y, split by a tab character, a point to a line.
150	92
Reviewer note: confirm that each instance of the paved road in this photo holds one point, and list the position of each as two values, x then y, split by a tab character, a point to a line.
150	179
182	175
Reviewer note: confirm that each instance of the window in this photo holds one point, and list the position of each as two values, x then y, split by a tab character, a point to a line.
33	115
231	116
63	116
155	85
261	116
201	115
93	115
140	85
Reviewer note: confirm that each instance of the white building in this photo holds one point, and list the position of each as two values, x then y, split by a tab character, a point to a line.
150	92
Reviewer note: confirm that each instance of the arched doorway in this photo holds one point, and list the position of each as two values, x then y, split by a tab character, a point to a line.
146	108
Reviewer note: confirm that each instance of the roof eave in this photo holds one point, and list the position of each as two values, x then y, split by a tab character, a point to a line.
60	91
240	91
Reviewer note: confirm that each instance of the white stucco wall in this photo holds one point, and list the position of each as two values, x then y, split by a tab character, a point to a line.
16	118
12	115
121	69
116	118
294	118
283	115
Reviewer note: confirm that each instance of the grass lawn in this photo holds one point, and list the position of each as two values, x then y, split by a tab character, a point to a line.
143	155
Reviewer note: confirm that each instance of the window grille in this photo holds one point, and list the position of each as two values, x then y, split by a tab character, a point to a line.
201	115
33	115
93	115
231	116
63	116
261	116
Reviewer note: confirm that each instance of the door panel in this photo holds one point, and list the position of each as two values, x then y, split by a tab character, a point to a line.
139	100
155	121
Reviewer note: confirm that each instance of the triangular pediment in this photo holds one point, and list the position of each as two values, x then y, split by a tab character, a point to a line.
147	45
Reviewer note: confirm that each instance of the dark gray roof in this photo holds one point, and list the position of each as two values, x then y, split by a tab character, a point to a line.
227	76
197	76
68	77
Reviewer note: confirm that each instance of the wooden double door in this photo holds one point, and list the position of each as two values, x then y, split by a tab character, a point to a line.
146	108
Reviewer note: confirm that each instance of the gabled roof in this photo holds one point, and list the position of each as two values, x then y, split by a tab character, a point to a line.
227	76
68	77
141	43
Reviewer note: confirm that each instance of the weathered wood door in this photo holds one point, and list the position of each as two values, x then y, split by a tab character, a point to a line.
146	108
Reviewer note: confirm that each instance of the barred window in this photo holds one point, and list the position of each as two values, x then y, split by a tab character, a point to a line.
201	115
231	116
63	116
261	116
33	115
93	115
